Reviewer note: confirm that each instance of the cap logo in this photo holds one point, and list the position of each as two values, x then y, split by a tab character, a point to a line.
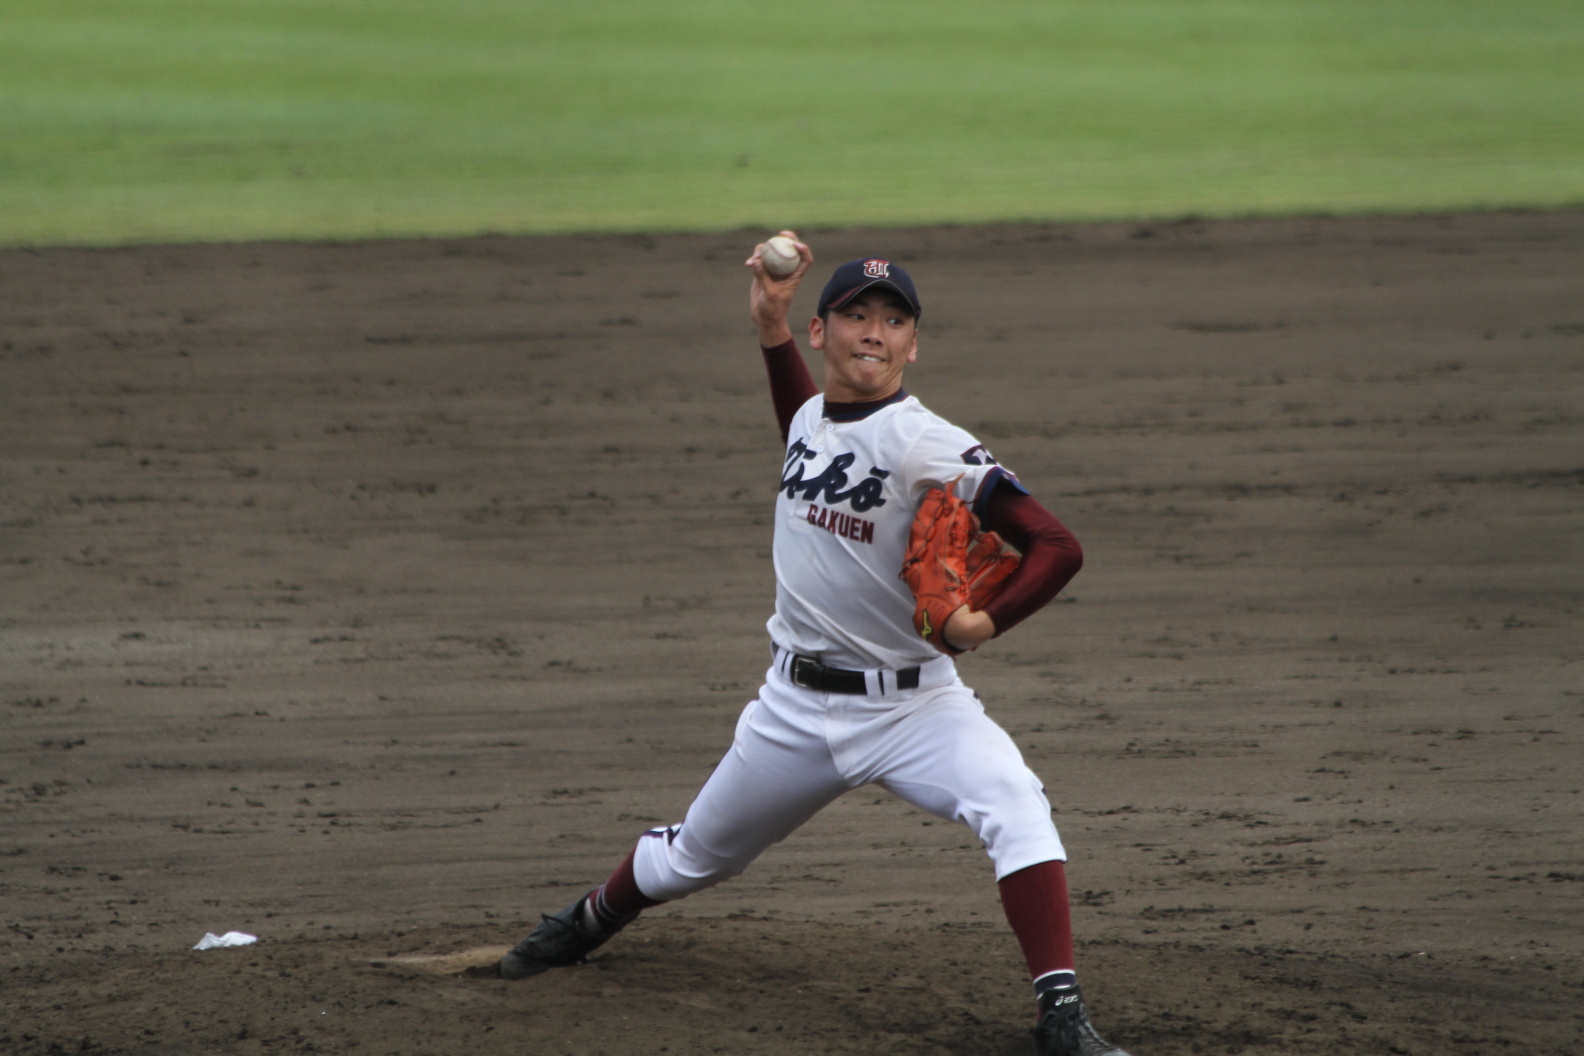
877	269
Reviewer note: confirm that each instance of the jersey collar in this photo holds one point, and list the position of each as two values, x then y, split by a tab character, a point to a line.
853	412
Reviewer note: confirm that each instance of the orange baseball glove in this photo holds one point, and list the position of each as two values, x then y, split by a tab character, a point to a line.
951	562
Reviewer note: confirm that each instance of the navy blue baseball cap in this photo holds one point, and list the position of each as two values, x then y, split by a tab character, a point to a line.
856	276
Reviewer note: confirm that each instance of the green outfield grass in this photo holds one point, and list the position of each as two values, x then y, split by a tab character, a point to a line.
162	120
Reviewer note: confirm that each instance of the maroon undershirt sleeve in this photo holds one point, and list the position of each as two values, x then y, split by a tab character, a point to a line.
791	384
1051	556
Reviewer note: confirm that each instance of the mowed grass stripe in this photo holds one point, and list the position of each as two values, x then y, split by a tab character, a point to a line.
144	120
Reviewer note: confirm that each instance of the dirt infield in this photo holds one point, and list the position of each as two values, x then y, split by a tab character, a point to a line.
371	598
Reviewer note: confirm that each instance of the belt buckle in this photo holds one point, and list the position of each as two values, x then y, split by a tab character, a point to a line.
805	672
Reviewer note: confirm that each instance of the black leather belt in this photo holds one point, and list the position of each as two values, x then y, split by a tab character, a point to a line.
809	673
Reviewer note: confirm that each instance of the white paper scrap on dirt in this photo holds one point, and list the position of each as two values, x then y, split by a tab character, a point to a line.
211	941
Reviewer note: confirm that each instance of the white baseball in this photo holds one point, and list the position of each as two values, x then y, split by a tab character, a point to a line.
780	256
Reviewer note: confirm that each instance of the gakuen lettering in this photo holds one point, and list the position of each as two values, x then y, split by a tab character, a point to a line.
843	524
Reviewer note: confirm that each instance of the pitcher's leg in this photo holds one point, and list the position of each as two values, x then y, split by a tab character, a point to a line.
954	761
776	776
951	759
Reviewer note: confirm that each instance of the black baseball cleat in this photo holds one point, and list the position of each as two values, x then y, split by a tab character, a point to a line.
1064	1028
557	942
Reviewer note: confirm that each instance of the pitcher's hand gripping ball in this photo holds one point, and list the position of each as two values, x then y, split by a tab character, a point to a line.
780	256
951	562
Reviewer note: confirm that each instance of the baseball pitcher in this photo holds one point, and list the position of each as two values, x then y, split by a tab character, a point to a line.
899	544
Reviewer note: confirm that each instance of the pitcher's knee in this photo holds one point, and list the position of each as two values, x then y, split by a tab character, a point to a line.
1013	793
667	869
1013	820
1017	843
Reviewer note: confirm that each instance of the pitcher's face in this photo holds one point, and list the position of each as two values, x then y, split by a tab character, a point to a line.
867	342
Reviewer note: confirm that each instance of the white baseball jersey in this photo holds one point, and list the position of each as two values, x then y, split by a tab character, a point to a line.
849	492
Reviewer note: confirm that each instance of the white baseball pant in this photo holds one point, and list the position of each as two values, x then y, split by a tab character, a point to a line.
797	749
